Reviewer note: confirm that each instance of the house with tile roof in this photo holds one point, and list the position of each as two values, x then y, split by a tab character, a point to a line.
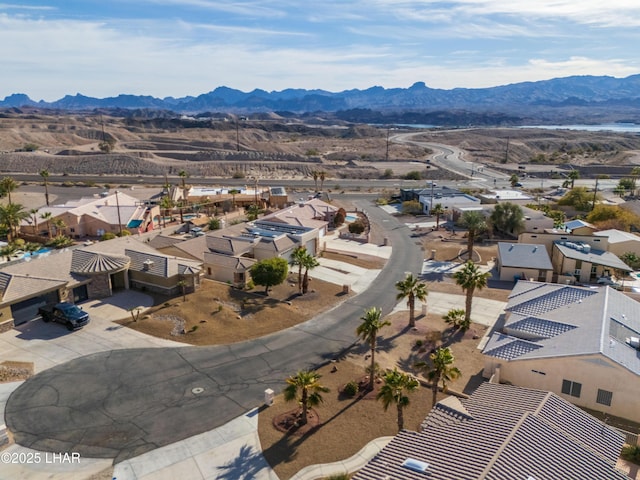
94	271
501	432
93	217
523	260
576	342
228	254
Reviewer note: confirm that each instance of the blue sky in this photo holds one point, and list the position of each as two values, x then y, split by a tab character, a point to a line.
188	47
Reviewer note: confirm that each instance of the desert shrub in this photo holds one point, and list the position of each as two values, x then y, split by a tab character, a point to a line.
351	389
413	175
411	207
631	453
107	236
339	476
356	227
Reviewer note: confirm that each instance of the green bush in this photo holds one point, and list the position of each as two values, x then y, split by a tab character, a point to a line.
631	453
356	227
351	389
107	236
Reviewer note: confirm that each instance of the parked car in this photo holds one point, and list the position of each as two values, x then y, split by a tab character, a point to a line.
70	315
609	281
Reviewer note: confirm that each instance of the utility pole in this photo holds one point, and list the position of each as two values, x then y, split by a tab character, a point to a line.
237	134
386	156
118	207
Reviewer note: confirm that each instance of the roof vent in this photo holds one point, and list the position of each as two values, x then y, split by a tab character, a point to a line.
633	342
147	264
415	465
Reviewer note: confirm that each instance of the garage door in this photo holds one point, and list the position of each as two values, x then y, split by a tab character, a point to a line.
28	309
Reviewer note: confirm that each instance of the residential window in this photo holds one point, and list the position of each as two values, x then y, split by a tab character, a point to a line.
571	388
604	397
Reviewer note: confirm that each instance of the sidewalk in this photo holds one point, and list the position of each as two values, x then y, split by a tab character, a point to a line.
232	451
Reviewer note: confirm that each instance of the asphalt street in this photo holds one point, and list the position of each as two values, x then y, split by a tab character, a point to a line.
122	403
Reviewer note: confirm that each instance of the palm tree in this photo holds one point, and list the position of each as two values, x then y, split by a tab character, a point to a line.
33	213
368	332
184	201
10	217
410	289
323	175
315	174
475	223
309	262
297	258
439	368
573	176
307	383
47	216
233	192
396	385
59	225
470	278
7	185
45	176
166	204
437	210
455	318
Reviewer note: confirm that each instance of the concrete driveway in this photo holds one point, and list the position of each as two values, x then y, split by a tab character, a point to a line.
51	344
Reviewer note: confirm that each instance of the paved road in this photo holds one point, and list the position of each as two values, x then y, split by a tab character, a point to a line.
451	158
122	403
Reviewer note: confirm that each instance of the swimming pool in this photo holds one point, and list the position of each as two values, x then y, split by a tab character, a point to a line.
351	218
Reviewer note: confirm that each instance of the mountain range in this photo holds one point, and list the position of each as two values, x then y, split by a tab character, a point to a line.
569	94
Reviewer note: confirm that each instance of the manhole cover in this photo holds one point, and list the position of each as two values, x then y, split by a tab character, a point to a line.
197	390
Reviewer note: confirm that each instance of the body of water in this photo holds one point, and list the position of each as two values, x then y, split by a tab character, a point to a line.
604	127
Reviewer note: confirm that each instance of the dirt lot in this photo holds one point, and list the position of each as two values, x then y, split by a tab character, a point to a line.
218	313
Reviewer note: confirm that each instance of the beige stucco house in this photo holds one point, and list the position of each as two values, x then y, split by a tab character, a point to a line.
94	271
573	341
517	261
93	217
583	262
621	242
228	254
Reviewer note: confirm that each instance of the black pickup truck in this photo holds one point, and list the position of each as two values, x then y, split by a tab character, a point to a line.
66	313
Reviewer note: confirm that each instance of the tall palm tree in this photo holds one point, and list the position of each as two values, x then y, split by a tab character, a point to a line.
475	223
439	369
297	258
315	174
10	217
166	204
368	330
233	192
396	386
305	388
8	185
470	278
47	216
573	176
45	176
33	213
437	210
323	175
183	176
410	289
309	262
